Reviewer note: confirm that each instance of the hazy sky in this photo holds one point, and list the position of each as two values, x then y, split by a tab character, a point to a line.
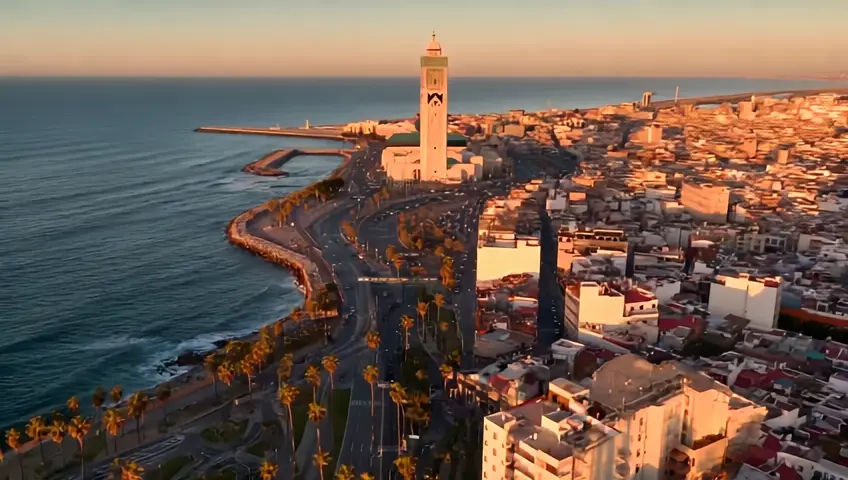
383	37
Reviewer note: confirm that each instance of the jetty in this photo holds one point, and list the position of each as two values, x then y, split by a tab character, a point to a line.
270	164
320	133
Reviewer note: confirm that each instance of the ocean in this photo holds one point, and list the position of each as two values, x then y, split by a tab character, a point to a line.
112	210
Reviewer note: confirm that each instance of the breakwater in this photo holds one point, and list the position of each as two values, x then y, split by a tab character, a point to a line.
270	164
320	133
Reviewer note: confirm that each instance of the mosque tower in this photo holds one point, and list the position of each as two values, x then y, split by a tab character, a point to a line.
434	112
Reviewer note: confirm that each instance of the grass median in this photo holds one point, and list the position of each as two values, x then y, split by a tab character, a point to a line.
338	411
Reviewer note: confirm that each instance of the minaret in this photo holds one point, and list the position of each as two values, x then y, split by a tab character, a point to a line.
434	112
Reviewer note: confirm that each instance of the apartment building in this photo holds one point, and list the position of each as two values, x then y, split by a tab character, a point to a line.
754	298
637	421
502	254
571	243
705	202
596	306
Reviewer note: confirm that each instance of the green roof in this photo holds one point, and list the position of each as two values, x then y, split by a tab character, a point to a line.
413	139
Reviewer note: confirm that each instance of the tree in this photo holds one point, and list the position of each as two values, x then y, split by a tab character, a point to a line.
398	264
135	409
372	339
163	393
366	476
268	471
13	440
345	473
316	413
131	471
439	301
421	308
284	369
78	429
116	394
406	467
370	374
226	372
391	253
349	231
330	364
247	367
398	396
447	373
98	399
406	322
211	363
56	430
36	429
287	394
313	377
321	460
73	405
113	422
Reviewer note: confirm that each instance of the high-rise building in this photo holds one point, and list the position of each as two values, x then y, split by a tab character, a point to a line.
434	112
637	421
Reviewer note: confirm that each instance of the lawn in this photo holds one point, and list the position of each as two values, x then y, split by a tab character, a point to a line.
172	466
225	432
338	412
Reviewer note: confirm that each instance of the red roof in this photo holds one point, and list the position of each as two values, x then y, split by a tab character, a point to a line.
757	455
749	378
635	296
785	472
670	323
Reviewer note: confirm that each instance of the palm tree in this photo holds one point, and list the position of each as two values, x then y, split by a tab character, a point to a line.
398	262
284	370
135	409
56	431
439	301
287	394
13	440
211	363
36	429
316	413
78	429
330	364
447	373
313	377
321	460
73	405
131	471
226	372
391	253
421	308
366	476
406	322
370	374
116	394
163	393
98	398
268	471
406	467
113	422
345	473
443	330
398	396
247	367
372	339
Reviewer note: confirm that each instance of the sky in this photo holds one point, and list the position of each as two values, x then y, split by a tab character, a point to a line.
306	38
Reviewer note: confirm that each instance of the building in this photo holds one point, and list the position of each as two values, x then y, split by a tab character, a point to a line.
637	421
431	154
754	298
504	253
571	243
434	112
705	202
598	306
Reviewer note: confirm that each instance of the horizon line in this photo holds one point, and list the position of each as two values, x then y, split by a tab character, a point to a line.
372	77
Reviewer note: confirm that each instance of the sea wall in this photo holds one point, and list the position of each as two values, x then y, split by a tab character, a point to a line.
269	165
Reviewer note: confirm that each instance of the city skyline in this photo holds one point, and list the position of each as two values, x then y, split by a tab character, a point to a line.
257	38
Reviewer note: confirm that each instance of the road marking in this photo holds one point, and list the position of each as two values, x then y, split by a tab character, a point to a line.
364	403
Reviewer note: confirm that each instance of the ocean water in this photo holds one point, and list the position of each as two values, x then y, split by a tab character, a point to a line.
112	210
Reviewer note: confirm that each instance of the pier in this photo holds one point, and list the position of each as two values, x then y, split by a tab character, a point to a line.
269	165
320	133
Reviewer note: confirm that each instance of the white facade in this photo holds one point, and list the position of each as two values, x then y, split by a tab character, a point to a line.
505	254
757	299
434	112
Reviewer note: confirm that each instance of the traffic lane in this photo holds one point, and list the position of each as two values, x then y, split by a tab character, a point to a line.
359	432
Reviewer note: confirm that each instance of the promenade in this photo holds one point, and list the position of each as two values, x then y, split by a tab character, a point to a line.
738	97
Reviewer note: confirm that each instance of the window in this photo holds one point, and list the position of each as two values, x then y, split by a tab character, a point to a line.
641	421
638	452
494	452
639	437
637	469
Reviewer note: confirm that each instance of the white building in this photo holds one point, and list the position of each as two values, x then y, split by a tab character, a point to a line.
756	299
503	253
597	306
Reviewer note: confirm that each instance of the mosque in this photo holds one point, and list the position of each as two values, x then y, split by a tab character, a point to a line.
431	153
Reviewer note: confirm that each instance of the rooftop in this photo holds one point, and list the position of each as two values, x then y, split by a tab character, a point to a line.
413	139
